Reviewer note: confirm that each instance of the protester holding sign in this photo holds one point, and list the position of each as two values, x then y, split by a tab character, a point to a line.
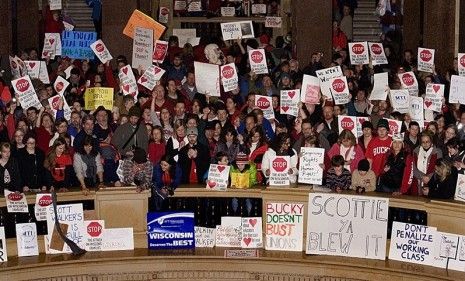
281	147
348	148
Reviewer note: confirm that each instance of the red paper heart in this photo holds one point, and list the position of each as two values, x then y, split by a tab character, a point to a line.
126	88
428	103
156	70
291	94
133	94
247	241
253	222
51	41
221	168
125	71
143	79
285	108
436	88
44	54
211	184
32	64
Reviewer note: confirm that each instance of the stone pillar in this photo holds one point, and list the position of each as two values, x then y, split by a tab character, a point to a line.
412	24
28	16
5	27
312	29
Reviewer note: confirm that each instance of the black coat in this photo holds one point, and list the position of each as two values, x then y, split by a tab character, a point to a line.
202	162
443	189
15	183
31	168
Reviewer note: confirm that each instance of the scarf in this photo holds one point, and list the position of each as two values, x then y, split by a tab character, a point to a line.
91	164
422	161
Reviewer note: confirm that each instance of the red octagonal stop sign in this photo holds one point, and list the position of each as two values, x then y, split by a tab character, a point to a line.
426	55
228	72
94	229
347	124
408	79
376	49
339	85
279	164
462	60
358	49
263	103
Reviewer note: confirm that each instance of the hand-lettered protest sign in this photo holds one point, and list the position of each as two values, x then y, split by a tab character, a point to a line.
71	222
359	53
228	11
426	60
98	96
76	44
257	61
54	103
340	90
229	77
218	176
284	226
273	22
457	88
151	76
159	51
311	160
415	243
457	262
448	245
170	230
26	93
279	170
310	92
266	105
434	96
378	56
127	81
380	86
205	237
228	236
55	5
400	100
207	78
461	64
101	51
258	9
460	188
26	238
237	30
33	68
409	82
3	250
252	233
325	75
118	239
42	202
142	48
139	19
16	202
342	225
289	103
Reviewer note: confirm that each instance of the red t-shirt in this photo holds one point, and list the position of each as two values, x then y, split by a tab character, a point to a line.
376	151
156	152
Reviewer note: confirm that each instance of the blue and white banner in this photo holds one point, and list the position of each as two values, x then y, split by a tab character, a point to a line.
170	230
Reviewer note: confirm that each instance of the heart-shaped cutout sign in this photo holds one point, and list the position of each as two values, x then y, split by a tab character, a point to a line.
143	79
221	168
253	222
32	64
211	184
247	241
125	71
291	94
285	108
436	88
428	103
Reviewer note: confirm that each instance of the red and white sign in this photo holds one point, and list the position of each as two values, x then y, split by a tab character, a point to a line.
101	51
400	100
265	104
279	171
37	70
159	51
16	202
128	81
378	56
60	85
41	206
218	177
54	105
359	53
340	90
252	236
142	48
257	61
52	46
94	229
347	123
289	103
434	96
461	64
164	15
273	22
229	77
426	60
409	82
18	67
151	77
310	92
26	93
93	234
325	76
394	126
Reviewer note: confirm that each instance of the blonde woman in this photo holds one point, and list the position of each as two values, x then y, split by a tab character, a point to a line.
443	182
349	149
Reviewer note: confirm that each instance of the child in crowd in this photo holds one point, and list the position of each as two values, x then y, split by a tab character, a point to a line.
338	178
243	172
363	179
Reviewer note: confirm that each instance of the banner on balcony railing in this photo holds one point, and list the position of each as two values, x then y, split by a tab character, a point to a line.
170	230
347	225
284	226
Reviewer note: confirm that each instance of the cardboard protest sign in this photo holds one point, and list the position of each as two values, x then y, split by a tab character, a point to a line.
237	30
415	244
378	56
426	60
71	221
409	82
257	61
16	202
417	111
54	103
98	96
101	51
460	188
60	85
26	93
340	90
252	232
434	96
142	48
394	126
400	100
347	123
218	177
310	91
139	19
207	78
229	77
338	225
359	53
448	240
310	171
17	67
284	226
184	34
151	76
164	15
273	22
266	105
170	230
3	250
228	11
127	81
205	237
55	5
43	200
159	51
76	44
52	45
461	64
26	238
289	103
279	170
380	86
325	75
457	88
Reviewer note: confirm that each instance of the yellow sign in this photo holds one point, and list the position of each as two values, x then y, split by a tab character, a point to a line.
95	97
139	19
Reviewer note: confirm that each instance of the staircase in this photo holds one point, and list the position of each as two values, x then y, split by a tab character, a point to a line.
366	22
80	13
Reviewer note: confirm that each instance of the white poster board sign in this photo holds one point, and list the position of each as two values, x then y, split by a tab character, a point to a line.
26	93
184	34
151	76
409	82
16	202
380	86
340	90
284	226
461	63
204	237
457	88
207	78
54	103
347	123
127	81
289	103
266	105
41	206
400	100
273	22
3	250
434	96
426	60
359	53
325	75
228	236
279	171
257	61
101	51
26	238
60	85
229	77
310	91
378	56
417	112
142	48
55	5
218	177
310	170
460	188
237	30
252	233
